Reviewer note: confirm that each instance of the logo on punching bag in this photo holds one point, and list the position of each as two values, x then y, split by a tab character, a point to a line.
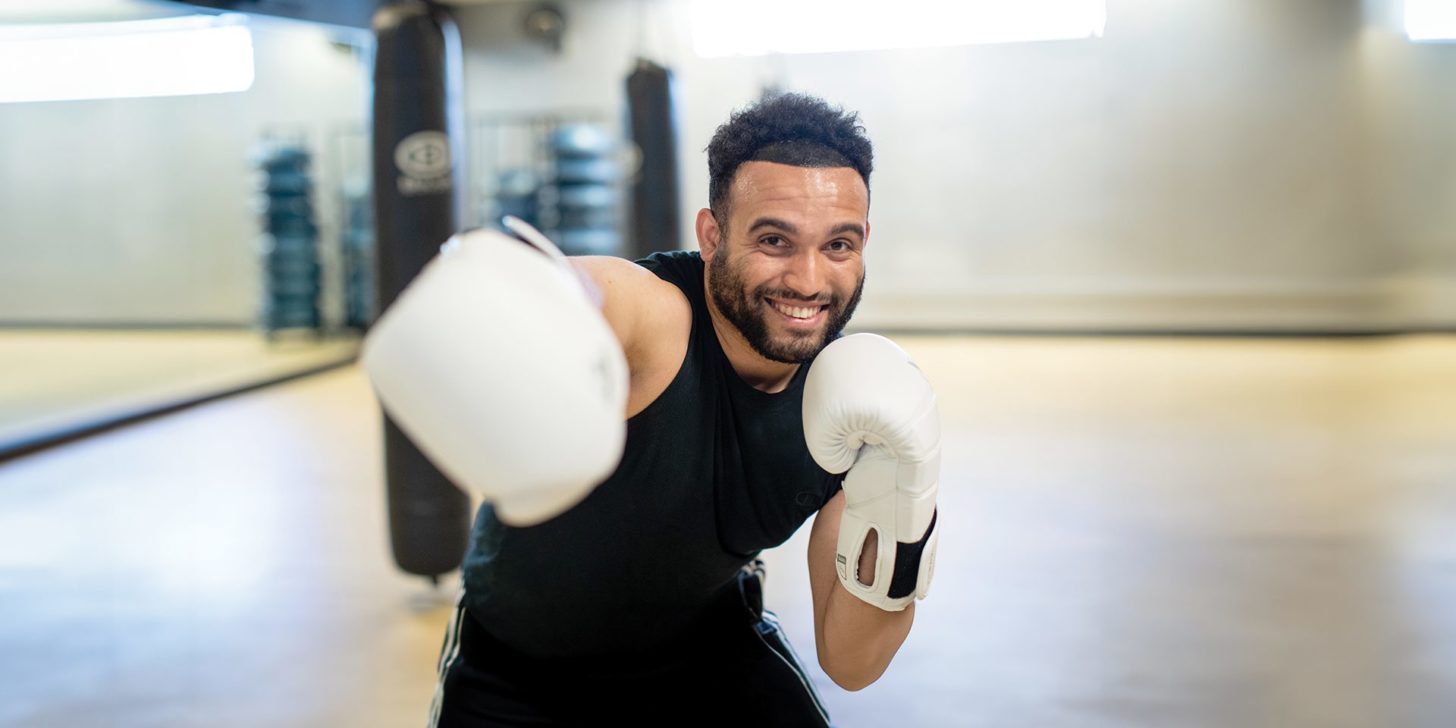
423	159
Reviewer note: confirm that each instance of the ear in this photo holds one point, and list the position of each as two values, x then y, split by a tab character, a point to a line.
709	234
866	243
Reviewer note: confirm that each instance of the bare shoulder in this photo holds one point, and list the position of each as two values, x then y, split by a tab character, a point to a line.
635	301
651	318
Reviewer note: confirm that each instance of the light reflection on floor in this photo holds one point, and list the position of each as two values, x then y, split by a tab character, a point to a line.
54	381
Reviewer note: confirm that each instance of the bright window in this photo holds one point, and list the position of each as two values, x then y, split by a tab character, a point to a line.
198	54
758	27
1430	19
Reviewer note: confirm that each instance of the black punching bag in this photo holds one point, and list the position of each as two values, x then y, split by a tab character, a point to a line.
654	131
415	206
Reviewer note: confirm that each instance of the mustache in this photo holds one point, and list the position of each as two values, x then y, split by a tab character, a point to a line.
791	297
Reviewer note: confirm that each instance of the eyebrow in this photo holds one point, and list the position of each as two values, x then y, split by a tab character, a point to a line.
790	228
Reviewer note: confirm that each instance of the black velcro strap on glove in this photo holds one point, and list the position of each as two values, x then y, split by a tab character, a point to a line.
907	563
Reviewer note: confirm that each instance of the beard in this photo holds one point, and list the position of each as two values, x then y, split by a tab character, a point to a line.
748	311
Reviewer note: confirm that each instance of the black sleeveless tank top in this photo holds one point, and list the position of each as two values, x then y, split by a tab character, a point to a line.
714	471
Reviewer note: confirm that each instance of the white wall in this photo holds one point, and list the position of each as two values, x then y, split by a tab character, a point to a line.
1208	164
137	211
1410	115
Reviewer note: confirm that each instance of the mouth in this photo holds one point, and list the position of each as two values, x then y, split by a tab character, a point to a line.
798	314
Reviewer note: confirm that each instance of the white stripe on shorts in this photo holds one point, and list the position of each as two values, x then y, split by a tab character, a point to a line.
792	661
449	652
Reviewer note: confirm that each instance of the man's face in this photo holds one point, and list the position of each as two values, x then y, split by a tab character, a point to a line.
789	270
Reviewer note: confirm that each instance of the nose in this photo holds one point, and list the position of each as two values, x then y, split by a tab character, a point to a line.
806	275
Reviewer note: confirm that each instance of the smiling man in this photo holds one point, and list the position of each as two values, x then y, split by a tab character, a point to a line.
637	595
765	293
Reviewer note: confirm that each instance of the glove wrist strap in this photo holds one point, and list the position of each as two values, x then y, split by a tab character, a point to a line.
909	566
905	579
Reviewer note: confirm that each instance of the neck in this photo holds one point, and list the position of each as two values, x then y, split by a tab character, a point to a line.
762	374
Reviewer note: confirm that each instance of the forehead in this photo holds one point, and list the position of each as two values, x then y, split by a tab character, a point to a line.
758	185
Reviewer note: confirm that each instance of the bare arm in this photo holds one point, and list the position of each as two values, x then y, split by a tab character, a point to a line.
650	318
855	640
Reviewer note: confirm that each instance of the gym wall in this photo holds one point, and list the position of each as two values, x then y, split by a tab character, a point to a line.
136	211
1208	165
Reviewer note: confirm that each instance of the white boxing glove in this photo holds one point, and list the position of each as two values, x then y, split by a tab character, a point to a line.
499	365
869	410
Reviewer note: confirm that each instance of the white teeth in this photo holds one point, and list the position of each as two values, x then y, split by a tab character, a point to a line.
798	312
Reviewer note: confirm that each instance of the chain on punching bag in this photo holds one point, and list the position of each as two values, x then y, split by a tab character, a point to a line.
654	130
415	206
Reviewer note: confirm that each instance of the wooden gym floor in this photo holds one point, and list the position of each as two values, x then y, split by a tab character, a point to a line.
1137	532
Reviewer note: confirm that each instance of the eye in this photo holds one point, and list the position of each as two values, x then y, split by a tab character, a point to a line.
773	241
839	246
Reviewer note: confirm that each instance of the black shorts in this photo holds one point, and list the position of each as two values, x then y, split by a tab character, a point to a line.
737	669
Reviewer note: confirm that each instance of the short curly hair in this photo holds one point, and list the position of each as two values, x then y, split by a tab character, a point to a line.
790	128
